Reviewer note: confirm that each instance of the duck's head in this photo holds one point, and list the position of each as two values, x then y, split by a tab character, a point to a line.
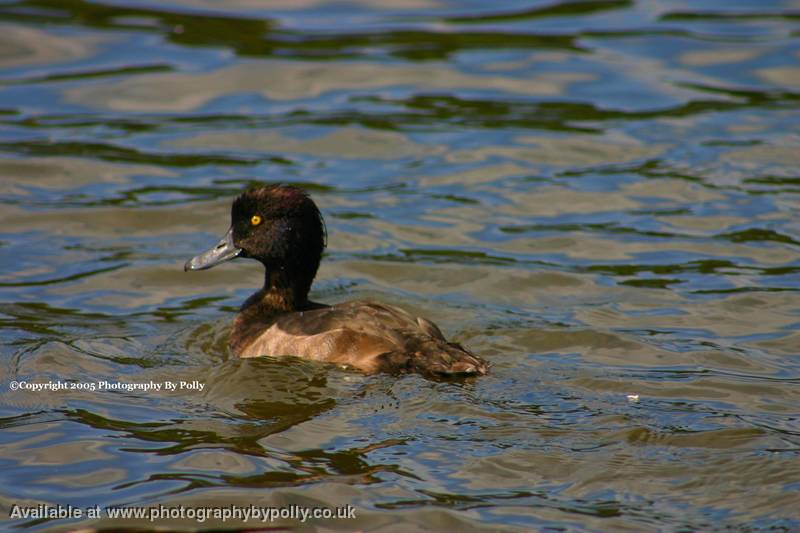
278	225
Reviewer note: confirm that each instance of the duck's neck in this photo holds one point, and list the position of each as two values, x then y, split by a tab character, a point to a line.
281	294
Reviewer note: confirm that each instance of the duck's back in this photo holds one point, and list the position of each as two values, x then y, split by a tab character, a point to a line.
366	335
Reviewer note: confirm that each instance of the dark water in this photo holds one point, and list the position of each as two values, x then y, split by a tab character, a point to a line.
602	198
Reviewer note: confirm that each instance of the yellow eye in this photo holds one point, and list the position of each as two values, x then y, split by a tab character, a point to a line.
255	220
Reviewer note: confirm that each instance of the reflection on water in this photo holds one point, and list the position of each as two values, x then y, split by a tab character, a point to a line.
600	197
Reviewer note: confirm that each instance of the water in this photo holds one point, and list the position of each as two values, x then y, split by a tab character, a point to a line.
601	198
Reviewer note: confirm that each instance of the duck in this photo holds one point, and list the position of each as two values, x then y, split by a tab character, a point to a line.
281	227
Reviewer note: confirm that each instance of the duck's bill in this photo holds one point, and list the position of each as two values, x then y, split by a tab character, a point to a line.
225	250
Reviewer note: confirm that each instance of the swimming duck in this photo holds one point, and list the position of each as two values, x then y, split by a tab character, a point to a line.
281	226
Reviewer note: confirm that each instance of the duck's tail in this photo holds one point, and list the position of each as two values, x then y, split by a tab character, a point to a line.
434	357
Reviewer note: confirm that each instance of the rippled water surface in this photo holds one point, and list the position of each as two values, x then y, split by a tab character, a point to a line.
600	197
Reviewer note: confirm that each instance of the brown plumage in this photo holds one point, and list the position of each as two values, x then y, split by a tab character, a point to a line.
281	227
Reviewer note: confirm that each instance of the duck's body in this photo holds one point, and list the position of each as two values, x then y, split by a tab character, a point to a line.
369	336
281	227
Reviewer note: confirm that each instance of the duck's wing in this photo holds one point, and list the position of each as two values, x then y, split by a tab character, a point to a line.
367	335
353	333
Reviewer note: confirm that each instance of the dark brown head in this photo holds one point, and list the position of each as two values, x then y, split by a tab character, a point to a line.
278	225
